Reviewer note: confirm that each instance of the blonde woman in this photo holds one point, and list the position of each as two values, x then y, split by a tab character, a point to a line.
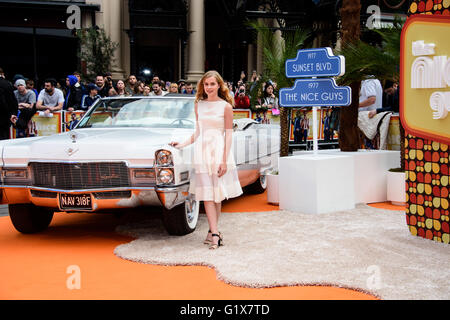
173	88
215	178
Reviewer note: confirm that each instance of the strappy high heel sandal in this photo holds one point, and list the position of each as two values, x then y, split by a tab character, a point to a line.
215	246
206	240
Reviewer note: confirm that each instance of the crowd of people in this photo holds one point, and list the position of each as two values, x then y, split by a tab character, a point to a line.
23	100
73	94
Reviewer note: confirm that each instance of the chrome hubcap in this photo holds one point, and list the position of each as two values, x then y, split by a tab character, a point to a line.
191	209
263	181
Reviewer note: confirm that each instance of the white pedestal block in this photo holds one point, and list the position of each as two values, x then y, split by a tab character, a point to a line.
371	169
316	184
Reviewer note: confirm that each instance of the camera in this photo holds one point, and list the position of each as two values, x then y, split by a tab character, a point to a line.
241	91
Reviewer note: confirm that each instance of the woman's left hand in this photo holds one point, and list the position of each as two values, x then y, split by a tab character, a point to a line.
222	170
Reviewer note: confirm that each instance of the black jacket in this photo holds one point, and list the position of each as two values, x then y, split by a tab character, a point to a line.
8	103
74	98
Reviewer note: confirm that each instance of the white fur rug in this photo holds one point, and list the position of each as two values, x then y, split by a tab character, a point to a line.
365	249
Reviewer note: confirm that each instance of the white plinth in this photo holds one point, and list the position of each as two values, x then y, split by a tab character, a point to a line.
371	169
316	184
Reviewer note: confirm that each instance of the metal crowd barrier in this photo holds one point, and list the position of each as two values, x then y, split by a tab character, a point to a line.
62	121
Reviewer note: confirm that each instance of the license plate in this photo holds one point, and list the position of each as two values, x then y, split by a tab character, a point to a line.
75	201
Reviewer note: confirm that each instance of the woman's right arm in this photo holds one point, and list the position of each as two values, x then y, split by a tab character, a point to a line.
194	136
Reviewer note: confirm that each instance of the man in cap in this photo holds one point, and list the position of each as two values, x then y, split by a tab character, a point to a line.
89	99
26	100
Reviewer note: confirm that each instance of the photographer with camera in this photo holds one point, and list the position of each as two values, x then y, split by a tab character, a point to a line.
241	99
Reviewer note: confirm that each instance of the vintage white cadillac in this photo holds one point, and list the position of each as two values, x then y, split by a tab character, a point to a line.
118	157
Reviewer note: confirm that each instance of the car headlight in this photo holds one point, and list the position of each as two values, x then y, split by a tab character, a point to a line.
164	158
15	176
165	176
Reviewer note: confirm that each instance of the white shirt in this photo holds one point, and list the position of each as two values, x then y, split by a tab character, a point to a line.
163	93
51	100
369	88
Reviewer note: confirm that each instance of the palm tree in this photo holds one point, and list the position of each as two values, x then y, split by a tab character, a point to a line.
382	62
275	55
348	122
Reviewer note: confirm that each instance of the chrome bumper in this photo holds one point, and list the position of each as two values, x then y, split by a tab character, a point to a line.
168	197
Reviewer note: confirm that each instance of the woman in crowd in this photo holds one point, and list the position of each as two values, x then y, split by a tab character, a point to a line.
121	92
173	88
139	89
147	90
270	101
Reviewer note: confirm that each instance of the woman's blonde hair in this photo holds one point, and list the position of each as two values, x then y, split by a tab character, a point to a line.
224	92
174	86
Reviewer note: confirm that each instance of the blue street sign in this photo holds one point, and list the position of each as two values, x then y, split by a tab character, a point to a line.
319	62
315	93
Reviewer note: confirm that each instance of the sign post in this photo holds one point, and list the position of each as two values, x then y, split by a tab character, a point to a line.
315	131
315	92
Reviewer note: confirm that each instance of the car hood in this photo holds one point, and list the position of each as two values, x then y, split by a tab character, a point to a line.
135	144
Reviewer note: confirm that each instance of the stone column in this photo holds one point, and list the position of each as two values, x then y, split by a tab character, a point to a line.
196	43
251	65
113	27
259	48
279	41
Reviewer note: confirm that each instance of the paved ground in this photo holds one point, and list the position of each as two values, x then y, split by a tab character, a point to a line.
3	211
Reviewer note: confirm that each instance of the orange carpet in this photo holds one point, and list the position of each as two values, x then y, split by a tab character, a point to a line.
249	203
39	266
388	206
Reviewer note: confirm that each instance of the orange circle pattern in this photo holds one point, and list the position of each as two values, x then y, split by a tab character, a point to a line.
427	166
427	188
441	7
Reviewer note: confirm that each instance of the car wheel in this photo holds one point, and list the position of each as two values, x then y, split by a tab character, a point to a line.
259	186
182	219
28	218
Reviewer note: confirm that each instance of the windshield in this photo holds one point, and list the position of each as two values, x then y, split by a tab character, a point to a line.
144	112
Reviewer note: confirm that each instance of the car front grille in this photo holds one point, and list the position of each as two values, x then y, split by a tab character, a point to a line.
80	176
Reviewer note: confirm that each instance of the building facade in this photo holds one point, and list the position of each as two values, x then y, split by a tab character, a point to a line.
172	38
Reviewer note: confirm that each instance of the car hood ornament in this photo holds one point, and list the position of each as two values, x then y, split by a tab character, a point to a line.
74	137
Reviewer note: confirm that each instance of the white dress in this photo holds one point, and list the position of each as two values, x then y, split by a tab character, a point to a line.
208	155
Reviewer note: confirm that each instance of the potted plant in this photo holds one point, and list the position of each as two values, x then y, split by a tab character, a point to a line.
272	187
396	186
